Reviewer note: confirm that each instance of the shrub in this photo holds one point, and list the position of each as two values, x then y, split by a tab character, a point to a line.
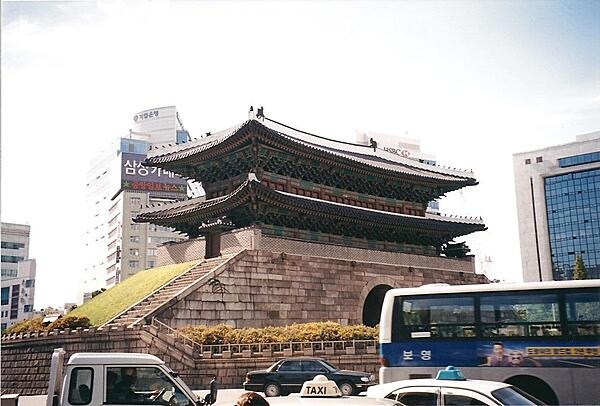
317	331
27	326
69	322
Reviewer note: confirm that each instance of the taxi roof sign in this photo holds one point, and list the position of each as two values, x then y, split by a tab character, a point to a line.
320	387
450	374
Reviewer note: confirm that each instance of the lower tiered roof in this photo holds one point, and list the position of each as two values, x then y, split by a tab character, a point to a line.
254	204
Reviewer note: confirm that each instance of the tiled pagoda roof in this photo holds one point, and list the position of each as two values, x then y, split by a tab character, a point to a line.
240	208
293	139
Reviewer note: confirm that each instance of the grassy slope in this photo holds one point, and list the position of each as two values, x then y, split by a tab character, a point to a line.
118	298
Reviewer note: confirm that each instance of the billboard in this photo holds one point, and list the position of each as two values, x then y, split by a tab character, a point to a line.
512	353
136	176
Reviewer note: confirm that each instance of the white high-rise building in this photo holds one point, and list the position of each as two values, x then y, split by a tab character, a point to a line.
118	185
558	208
18	275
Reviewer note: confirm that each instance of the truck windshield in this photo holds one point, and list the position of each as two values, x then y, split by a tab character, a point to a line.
145	385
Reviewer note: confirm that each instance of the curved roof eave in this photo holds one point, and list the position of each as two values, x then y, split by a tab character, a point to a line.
362	153
195	207
357	153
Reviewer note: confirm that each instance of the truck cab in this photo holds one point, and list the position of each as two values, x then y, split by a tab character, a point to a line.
118	379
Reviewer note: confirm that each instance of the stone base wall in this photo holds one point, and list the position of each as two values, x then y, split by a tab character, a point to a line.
264	288
26	359
251	238
193	250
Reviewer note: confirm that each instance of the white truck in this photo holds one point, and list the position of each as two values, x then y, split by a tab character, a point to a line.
128	379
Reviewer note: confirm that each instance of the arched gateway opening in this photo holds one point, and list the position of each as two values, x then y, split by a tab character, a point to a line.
372	306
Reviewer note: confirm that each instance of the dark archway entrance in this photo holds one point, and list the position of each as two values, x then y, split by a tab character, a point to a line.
372	306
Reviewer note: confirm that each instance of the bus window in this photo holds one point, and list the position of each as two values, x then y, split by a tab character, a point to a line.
439	317
520	315
583	313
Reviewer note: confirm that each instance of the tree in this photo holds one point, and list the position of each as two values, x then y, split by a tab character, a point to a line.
579	271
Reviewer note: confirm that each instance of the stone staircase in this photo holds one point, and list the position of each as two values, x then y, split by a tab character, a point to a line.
147	306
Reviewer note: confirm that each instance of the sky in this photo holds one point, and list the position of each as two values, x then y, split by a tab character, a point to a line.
474	81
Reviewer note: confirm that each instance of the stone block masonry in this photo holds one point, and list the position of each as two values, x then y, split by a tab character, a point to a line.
26	358
264	288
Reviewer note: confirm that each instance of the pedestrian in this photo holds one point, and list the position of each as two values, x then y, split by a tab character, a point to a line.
251	399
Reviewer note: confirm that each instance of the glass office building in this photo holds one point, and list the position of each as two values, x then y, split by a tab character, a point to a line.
573	210
558	208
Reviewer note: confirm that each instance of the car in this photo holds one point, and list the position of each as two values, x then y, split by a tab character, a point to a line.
287	376
451	388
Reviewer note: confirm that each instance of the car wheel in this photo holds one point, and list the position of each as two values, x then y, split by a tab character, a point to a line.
272	389
347	388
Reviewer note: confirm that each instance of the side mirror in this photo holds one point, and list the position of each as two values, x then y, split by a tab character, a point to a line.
211	397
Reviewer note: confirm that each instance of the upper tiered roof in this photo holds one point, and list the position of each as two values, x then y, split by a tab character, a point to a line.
371	160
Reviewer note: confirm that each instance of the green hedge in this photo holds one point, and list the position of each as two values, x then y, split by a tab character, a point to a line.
35	324
317	331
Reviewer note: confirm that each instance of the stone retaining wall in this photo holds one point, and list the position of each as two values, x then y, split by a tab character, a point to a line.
26	358
264	288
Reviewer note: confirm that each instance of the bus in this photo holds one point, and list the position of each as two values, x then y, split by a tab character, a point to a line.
543	337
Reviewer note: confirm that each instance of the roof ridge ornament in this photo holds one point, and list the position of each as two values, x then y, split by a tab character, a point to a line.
252	177
256	115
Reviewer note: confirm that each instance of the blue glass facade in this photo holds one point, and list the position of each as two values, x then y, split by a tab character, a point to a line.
573	212
579	159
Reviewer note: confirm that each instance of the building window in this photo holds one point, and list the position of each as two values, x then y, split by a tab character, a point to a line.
28	308
134	238
135	227
135	201
114	207
11	259
113	221
29	283
527	161
134	252
151	252
134	264
579	159
538	159
9	273
5	292
151	264
12	245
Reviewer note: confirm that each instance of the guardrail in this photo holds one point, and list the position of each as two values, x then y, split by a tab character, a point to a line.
286	349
